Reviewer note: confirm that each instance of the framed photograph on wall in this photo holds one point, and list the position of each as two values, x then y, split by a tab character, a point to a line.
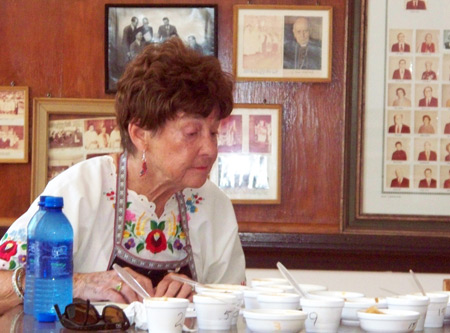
13	124
67	131
399	150
129	28
248	168
282	43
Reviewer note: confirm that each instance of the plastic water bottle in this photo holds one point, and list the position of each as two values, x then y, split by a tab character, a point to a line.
53	261
28	303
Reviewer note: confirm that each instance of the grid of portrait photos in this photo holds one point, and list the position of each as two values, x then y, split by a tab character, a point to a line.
74	140
417	112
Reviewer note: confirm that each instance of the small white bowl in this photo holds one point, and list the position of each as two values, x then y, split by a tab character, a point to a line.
237	305
274	320
436	309
352	306
214	312
285	301
417	303
223	286
285	287
389	321
265	281
250	295
345	295
447	310
324	313
312	287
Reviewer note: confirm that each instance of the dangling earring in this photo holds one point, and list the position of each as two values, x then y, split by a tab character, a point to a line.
144	165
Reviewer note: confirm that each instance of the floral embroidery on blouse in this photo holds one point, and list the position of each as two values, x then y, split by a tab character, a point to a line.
192	201
12	252
144	233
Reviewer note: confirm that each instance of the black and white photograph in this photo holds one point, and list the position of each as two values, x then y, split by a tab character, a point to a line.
129	28
68	131
13	124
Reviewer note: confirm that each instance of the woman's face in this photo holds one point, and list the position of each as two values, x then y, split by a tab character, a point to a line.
183	152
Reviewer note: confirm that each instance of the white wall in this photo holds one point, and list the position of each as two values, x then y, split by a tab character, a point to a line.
369	283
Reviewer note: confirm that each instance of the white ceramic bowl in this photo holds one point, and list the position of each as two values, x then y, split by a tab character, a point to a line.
390	321
334	293
416	303
265	281
352	306
324	313
274	320
278	301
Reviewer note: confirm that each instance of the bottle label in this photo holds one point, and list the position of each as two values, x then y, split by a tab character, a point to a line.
53	259
31	250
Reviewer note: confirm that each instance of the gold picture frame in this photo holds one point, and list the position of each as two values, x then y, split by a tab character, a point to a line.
266	48
13	124
248	166
65	131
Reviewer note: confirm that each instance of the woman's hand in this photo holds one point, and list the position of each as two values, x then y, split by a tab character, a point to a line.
108	286
170	288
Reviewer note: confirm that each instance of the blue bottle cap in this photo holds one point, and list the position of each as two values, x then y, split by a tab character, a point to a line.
41	202
54	202
46	317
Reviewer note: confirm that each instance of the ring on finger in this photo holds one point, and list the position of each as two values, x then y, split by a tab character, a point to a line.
118	287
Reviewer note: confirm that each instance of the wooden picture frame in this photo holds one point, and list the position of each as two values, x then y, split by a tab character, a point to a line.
376	203
265	47
13	124
248	166
67	131
196	25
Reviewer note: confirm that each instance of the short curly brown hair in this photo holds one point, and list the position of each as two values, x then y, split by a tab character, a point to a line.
166	78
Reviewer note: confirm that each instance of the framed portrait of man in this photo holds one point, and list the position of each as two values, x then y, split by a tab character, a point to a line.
282	43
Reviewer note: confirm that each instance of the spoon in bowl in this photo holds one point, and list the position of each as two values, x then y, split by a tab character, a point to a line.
419	285
288	276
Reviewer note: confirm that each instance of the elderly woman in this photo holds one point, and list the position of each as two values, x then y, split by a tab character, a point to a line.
152	208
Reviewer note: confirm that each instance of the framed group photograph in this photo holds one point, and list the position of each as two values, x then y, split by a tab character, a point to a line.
13	124
400	149
248	167
282	43
67	131
129	28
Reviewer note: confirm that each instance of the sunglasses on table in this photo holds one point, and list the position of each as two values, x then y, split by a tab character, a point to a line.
82	315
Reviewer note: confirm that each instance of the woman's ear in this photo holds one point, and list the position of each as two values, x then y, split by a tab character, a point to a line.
138	136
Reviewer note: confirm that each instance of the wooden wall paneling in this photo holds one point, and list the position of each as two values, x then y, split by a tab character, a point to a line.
29	56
